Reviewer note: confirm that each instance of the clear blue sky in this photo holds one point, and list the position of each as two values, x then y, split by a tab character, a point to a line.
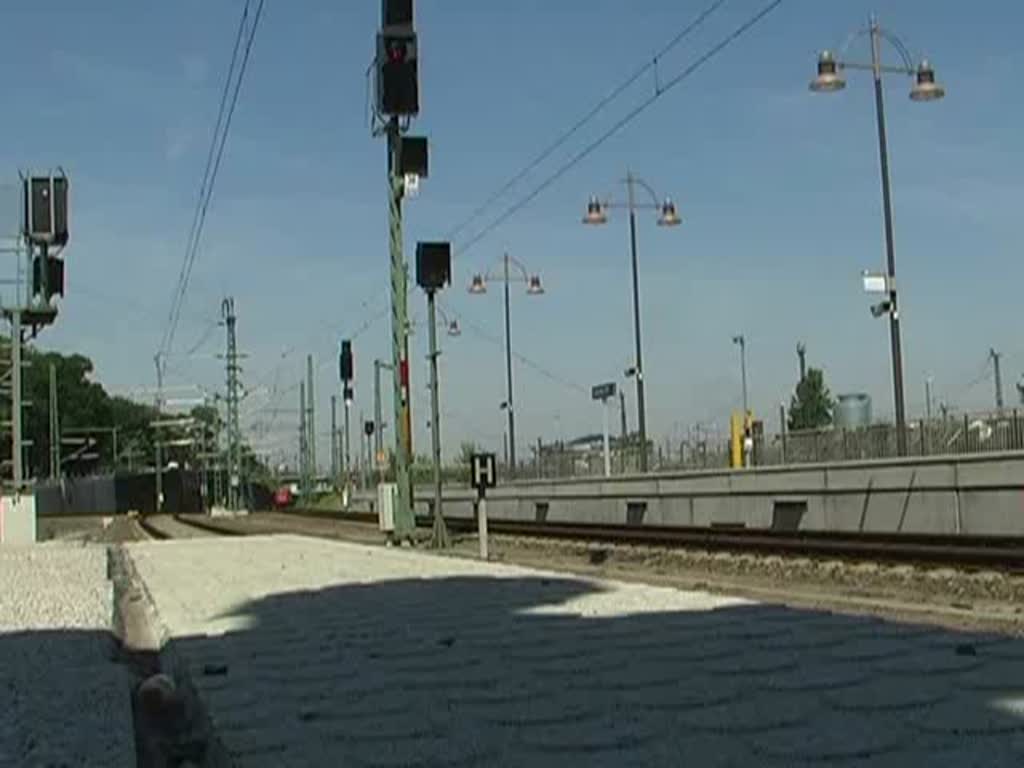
778	187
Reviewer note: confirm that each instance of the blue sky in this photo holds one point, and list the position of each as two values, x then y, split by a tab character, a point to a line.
778	187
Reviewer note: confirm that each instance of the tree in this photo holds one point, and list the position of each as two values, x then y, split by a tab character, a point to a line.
88	418
812	403
83	404
466	451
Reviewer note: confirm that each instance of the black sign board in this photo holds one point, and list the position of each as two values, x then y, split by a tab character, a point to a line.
483	471
603	391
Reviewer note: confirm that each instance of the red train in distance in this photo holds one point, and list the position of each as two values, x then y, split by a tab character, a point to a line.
284	497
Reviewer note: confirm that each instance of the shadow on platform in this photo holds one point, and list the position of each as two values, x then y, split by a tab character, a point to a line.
65	699
467	671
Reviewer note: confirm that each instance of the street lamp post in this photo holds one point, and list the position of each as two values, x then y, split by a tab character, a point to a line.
533	288
668	217
830	79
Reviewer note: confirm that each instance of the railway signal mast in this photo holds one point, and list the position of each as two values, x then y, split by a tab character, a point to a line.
397	102
433	273
44	232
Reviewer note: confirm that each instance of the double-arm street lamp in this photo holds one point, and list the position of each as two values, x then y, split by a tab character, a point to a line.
597	213
511	271
830	79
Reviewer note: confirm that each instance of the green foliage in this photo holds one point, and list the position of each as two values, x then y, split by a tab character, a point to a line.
208	417
812	404
83	404
86	410
466	451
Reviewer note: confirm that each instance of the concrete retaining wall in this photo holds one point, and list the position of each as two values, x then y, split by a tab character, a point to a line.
981	494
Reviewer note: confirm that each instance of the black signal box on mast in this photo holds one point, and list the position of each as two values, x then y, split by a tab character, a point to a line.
396	13
433	265
397	66
50	283
345	365
414	156
46	210
398	88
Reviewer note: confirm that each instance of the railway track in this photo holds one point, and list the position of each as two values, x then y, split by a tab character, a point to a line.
1001	553
164	527
1004	553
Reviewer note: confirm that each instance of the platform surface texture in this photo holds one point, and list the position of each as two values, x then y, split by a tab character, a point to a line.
308	652
65	700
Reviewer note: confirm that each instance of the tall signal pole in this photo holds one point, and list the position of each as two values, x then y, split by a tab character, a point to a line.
157	437
999	377
433	272
348	442
303	459
234	432
378	417
311	428
334	439
397	84
54	426
45	212
404	521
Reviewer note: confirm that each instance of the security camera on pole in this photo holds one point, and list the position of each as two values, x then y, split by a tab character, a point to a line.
396	72
434	272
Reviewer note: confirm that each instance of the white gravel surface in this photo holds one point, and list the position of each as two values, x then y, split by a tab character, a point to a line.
64	700
309	652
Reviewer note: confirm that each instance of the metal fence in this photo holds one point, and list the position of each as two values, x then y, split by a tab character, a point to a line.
948	435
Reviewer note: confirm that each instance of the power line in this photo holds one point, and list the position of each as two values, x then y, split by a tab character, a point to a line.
594	111
535	366
659	91
278	394
223	127
364	306
172	316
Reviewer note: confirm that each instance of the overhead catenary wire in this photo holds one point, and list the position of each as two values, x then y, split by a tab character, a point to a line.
222	130
278	393
660	90
560	141
533	365
204	183
363	307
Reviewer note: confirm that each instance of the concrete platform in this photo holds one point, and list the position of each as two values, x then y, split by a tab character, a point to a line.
64	700
308	652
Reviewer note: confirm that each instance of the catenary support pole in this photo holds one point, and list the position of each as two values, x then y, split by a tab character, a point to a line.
405	524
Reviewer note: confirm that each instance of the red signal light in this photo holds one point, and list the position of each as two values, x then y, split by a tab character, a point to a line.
396	52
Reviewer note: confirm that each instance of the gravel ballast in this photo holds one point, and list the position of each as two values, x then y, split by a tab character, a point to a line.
64	699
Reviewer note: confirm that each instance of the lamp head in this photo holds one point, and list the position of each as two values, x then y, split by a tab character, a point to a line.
596	213
669	216
925	88
478	284
828	80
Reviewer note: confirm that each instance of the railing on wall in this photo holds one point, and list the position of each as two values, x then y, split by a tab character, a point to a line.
944	436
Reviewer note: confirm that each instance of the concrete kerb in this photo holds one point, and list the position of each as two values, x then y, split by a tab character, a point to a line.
130	587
